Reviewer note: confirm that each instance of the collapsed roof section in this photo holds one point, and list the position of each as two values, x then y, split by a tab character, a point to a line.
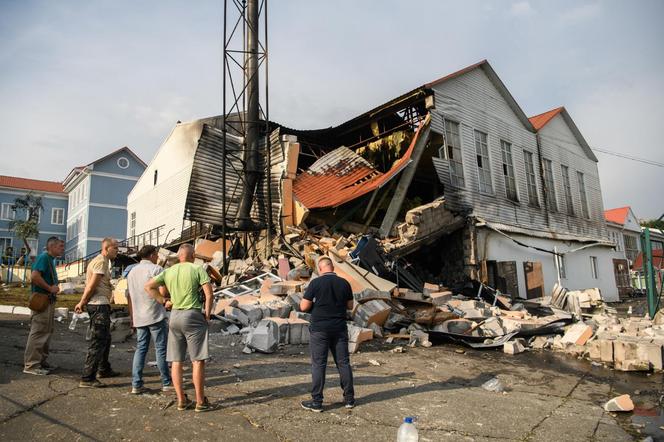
343	175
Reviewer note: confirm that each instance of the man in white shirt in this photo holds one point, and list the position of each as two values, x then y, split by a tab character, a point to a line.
149	318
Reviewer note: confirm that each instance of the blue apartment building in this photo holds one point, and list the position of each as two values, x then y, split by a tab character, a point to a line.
97	195
52	219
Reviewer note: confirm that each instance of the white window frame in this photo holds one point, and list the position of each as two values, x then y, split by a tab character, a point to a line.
484	171
132	224
549	185
533	194
34	246
594	269
507	168
457	174
54	218
7	208
567	189
585	208
126	161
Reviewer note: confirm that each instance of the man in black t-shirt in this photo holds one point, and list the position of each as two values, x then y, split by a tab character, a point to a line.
328	297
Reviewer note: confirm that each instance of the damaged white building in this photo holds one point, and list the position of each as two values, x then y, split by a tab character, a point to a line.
450	182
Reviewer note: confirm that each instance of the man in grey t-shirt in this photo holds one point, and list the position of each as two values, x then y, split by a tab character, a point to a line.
149	318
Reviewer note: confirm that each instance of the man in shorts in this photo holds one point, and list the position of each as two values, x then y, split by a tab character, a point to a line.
188	325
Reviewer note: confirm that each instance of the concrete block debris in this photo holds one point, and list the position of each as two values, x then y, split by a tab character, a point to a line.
620	403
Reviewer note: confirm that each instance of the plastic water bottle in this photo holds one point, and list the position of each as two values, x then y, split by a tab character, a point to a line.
74	320
407	431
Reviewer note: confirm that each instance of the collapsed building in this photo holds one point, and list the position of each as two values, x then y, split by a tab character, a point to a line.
448	183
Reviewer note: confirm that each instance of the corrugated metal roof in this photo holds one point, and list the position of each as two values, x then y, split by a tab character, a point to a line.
342	176
206	186
30	184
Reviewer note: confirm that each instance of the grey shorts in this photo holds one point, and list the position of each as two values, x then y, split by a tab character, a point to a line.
187	330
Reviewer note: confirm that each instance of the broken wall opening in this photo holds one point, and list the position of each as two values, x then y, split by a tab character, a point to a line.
442	261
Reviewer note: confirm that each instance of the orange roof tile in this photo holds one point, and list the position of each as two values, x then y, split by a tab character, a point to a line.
30	184
618	216
539	121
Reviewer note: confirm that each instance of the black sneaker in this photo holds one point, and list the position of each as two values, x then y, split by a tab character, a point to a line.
91	384
107	374
312	406
186	404
349	404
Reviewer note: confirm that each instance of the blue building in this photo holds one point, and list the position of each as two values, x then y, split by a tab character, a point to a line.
98	201
51	219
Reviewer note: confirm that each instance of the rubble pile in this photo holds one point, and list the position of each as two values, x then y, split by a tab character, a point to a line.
259	299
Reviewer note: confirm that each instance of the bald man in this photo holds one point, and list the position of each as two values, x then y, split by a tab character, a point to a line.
188	325
96	299
328	297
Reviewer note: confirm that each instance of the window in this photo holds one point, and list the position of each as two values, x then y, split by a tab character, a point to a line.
530	179
483	166
562	272
508	170
132	224
549	186
631	247
657	245
7	212
593	267
155	178
568	190
58	216
584	197
453	142
123	163
79	223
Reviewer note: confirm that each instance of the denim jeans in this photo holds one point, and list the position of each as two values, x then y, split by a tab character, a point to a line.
319	345
100	344
159	333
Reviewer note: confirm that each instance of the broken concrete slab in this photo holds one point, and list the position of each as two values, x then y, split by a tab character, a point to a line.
357	335
651	352
284	329
265	337
372	312
236	315
578	334
632	365
299	331
513	347
370	295
605	350
620	403
440	298
279	308
221	304
253	312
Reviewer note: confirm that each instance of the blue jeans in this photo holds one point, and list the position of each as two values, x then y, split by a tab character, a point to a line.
159	333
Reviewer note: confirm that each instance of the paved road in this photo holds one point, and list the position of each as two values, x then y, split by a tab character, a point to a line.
548	397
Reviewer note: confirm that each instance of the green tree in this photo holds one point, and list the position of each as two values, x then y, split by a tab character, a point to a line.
29	227
654	223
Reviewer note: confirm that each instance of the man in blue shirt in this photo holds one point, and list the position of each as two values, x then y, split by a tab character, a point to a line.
44	280
328	297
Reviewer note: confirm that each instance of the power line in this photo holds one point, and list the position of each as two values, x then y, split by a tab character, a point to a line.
630	157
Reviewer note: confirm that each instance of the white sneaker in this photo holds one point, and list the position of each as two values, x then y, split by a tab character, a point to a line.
36	371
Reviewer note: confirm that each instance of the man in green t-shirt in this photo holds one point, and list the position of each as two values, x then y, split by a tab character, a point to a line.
188	326
43	279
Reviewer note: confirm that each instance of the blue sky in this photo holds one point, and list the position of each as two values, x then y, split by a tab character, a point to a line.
79	79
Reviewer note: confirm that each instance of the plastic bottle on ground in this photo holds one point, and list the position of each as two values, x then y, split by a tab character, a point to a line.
74	320
407	431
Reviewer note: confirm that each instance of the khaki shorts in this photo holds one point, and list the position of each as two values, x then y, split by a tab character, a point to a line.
187	330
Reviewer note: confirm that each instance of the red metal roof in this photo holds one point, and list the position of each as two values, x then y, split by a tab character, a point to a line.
342	175
539	121
618	216
30	184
